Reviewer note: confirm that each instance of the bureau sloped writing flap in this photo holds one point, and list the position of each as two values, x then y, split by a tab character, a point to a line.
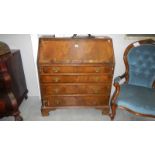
67	50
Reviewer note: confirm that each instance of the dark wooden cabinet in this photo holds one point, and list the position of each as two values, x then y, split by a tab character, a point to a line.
75	72
13	87
15	69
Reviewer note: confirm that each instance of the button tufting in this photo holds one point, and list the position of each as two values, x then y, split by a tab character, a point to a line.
141	61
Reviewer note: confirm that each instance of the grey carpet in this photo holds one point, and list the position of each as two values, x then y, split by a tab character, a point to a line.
30	111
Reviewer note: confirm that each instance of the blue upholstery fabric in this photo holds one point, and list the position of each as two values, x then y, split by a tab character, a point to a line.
137	98
141	62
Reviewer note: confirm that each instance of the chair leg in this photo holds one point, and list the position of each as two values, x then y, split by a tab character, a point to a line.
113	111
17	116
26	97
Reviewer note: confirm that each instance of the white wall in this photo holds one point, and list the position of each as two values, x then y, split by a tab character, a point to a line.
28	44
23	42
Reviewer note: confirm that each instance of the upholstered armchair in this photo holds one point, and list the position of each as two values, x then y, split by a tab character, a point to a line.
136	94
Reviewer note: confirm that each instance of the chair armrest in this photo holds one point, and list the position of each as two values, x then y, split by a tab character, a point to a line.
153	85
117	87
118	79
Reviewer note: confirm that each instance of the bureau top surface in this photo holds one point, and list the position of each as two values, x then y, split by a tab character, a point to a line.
75	50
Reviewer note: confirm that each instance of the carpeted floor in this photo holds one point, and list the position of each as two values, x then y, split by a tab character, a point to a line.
30	111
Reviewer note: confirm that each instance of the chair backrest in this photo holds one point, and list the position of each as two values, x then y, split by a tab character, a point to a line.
141	64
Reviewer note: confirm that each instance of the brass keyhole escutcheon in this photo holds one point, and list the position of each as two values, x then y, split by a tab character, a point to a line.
55	69
76	45
97	70
40	70
56	79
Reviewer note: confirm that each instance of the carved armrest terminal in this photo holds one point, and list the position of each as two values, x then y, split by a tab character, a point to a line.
117	86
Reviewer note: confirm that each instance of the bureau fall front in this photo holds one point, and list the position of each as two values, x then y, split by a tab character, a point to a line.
75	72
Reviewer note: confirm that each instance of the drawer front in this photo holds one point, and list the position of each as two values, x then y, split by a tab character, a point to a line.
56	101
75	89
75	69
75	78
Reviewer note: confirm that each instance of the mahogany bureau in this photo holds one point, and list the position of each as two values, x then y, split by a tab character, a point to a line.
75	72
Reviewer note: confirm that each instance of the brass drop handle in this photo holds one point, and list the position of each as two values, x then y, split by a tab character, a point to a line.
97	79
45	102
97	70
55	69
56	79
40	70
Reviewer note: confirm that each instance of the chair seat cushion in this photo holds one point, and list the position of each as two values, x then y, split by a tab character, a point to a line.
137	98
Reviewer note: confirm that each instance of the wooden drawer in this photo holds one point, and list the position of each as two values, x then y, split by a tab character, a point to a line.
56	101
76	69
75	78
55	89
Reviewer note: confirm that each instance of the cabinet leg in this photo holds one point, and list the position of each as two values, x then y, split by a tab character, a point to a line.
105	111
45	112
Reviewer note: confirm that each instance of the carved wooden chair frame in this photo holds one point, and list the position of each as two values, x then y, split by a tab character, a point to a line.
126	77
8	86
